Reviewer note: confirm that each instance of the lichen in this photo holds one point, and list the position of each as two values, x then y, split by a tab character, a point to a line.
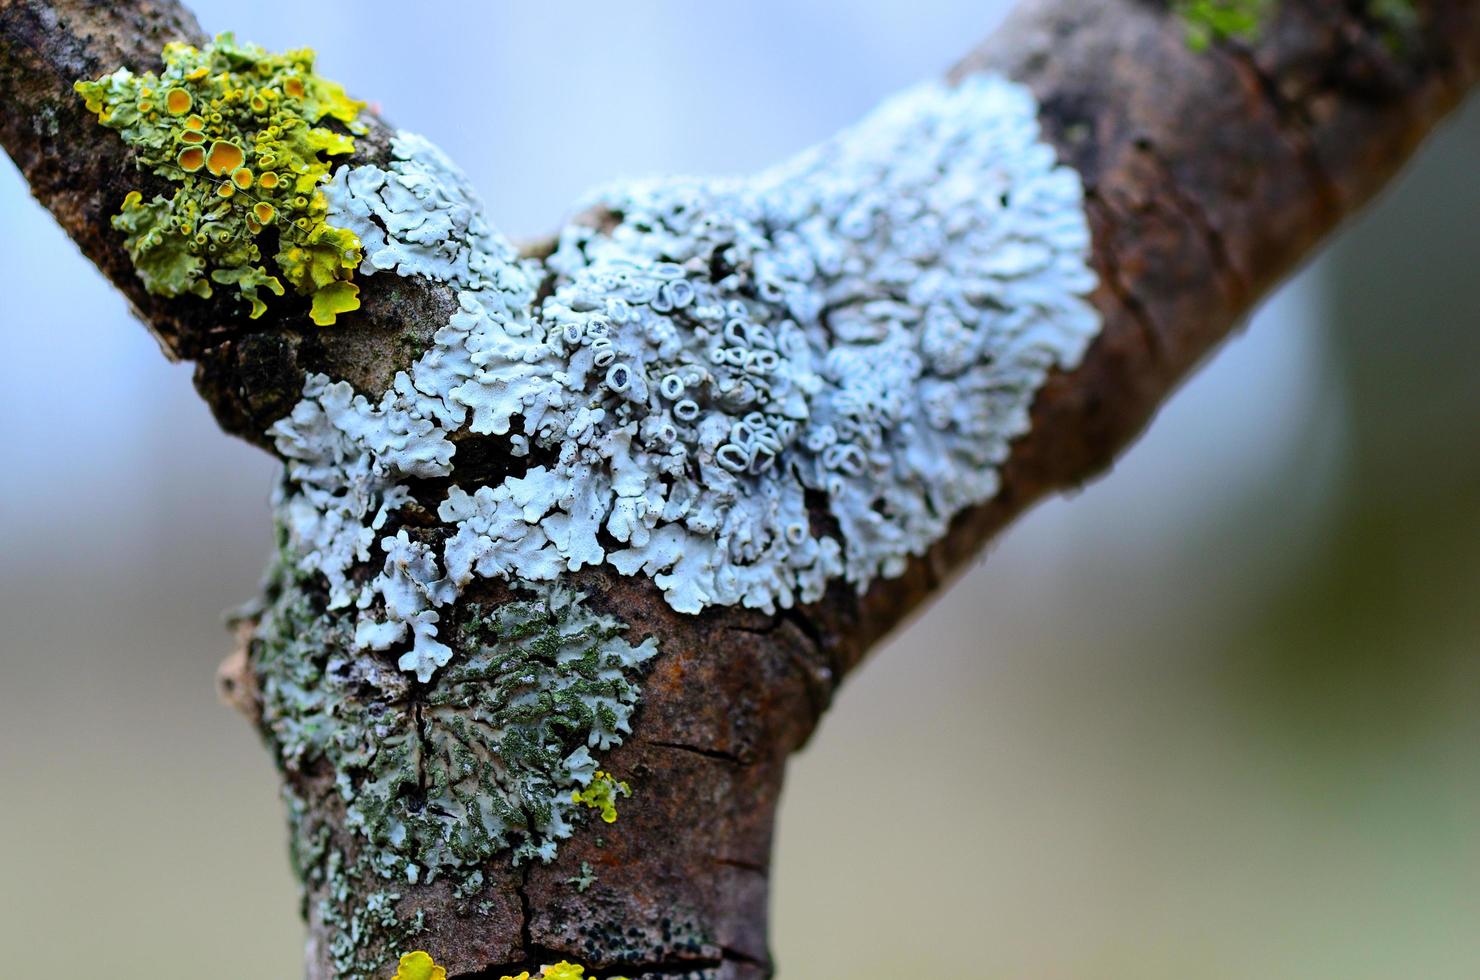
585	879
601	794
419	965
435	780
744	389
1212	20
486	758
1207	21
357	913
243	133
558	971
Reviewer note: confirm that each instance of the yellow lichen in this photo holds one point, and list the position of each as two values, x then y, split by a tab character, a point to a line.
224	157
419	965
602	795
558	971
191	159
237	119
332	299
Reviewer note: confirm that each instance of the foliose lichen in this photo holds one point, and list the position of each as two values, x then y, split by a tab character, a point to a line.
245	135
602	794
419	965
742	388
584	879
436	780
491	756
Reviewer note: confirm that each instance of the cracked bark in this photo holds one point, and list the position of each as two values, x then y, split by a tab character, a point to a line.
1209	177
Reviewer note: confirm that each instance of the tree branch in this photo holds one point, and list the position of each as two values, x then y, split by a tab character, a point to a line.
1208	177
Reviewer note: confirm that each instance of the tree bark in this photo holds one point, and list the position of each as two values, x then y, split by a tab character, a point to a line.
1210	175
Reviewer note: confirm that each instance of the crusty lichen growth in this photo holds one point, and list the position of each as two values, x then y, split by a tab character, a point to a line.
488	762
246	136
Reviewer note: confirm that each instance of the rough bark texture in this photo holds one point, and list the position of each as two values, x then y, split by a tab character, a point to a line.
1210	175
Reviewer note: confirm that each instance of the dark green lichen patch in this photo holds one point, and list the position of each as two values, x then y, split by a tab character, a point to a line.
490	761
247	136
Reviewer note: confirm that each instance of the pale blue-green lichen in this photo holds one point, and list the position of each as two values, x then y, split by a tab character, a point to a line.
743	390
585	879
246	137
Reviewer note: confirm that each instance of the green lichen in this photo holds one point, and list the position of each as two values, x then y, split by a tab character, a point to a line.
1213	20
437	780
243	134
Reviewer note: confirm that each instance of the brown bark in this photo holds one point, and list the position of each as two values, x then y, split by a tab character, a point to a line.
1210	175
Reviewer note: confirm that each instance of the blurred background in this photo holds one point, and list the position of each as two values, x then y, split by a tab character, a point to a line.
1215	716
